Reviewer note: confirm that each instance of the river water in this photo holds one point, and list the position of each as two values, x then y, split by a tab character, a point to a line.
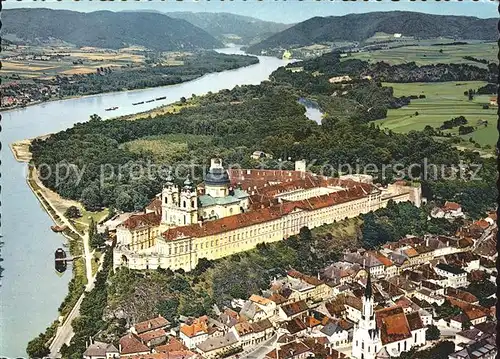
313	112
31	290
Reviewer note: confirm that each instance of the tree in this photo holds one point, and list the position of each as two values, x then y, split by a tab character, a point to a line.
37	348
183	99
124	201
305	234
91	198
168	309
72	212
202	266
432	333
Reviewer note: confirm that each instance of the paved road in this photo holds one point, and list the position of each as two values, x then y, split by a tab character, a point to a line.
65	331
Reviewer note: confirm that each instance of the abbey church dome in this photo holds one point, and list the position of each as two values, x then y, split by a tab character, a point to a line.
217	175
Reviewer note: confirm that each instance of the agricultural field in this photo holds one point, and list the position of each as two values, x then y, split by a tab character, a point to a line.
426	55
444	101
166	148
21	61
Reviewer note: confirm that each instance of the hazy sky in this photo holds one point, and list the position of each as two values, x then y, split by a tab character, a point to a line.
286	11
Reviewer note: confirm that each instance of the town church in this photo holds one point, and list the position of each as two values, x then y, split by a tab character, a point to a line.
387	332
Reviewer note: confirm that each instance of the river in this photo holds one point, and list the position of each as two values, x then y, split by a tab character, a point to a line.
31	291
313	111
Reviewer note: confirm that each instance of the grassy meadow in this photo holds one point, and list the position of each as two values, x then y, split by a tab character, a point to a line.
444	101
166	148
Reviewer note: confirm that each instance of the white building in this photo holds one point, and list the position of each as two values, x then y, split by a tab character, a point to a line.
457	277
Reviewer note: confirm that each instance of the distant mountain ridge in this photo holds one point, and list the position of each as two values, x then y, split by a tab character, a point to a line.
359	27
221	25
105	29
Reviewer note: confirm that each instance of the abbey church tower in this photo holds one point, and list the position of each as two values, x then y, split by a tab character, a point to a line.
179	207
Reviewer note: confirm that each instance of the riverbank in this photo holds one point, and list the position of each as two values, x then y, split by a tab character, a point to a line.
75	239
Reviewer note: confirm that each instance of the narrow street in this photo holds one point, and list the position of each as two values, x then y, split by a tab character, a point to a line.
260	350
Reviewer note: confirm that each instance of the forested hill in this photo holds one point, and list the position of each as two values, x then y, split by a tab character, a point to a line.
231	27
359	27
104	29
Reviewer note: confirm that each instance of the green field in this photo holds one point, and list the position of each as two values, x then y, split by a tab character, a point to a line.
425	55
166	148
444	101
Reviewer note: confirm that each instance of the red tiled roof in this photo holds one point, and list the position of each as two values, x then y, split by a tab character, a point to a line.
264	214
278	298
173	344
151	324
177	354
198	326
152	334
130	344
294	308
451	206
393	325
154	205
461	294
142	220
306	278
482	224
295	325
289	350
411	252
414	321
382	259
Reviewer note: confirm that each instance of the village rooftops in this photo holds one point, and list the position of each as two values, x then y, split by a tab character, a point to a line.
295	308
306	278
260	300
461	294
482	348
295	326
290	350
153	334
151	324
172	345
178	354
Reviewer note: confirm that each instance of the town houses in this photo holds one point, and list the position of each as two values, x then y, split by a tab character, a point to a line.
367	305
234	210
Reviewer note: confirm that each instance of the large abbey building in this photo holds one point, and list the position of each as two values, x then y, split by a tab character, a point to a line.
233	211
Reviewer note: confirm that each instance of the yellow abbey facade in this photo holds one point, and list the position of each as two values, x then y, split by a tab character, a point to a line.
183	225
